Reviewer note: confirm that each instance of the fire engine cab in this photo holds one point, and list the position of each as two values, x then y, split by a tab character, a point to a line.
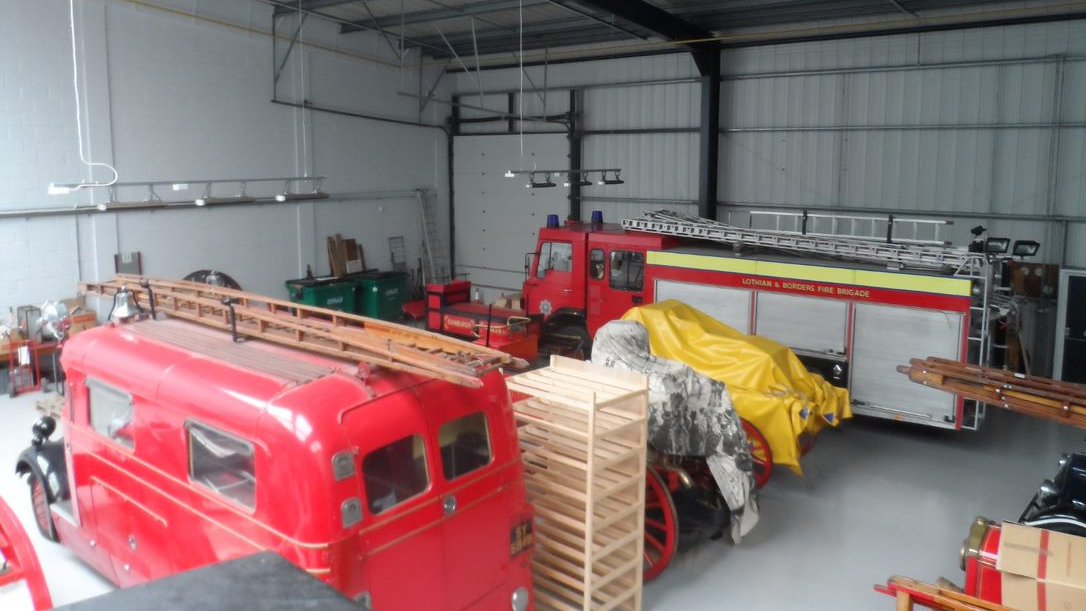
401	486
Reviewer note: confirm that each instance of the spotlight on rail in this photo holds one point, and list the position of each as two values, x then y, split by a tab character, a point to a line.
1025	248
996	246
545	184
610	181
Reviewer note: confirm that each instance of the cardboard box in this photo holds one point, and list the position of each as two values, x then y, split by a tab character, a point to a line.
509	302
75	305
82	322
1042	569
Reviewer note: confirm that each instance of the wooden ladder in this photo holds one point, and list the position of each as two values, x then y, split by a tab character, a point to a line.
909	592
317	330
1031	395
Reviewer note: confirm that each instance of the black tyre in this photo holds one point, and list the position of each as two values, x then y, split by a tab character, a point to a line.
1059	522
580	341
39	499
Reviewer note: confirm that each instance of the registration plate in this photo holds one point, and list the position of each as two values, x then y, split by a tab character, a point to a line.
520	538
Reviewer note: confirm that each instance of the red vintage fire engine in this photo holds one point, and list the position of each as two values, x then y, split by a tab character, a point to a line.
183	447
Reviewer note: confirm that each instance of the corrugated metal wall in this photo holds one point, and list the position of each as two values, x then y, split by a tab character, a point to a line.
986	126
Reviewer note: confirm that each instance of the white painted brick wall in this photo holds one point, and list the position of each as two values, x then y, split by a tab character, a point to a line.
171	97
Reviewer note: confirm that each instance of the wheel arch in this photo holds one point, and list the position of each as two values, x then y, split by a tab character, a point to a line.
47	463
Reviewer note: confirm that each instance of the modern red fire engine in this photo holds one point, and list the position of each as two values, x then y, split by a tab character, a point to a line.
852	309
380	459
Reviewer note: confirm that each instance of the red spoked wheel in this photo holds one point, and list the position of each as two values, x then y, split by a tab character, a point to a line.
661	526
806	442
40	502
760	452
19	561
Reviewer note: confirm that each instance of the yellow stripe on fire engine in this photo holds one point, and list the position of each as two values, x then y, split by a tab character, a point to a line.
815	273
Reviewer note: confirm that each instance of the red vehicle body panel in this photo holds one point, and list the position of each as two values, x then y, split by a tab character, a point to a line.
139	516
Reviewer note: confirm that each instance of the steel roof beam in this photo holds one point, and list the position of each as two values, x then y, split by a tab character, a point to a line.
310	5
441	14
657	20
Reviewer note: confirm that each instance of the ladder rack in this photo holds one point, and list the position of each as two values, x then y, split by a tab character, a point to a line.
674	223
317	330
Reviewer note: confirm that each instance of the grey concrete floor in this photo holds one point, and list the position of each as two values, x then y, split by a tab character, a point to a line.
877	499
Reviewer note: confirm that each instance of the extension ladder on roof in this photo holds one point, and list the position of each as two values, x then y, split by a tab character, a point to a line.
901	255
326	332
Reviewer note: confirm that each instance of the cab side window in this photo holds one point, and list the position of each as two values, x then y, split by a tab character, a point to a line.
627	270
395	473
110	413
556	256
465	445
222	463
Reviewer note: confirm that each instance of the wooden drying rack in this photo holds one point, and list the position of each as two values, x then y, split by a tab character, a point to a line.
584	438
326	332
1031	395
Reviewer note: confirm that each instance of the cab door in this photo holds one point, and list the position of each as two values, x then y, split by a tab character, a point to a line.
117	497
556	281
402	556
478	481
616	283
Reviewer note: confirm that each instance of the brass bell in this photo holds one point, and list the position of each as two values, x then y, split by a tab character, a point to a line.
124	306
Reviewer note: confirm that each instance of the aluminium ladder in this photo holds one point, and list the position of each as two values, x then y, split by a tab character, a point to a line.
327	332
889	228
901	255
435	260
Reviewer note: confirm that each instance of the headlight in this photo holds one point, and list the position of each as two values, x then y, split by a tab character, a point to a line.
520	599
1062	462
971	546
1048	490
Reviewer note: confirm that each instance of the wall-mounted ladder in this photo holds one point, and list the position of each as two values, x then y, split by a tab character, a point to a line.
435	258
317	330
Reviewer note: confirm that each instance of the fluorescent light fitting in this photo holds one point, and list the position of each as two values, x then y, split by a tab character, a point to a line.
294	197
112	205
180	186
211	201
62	189
509	174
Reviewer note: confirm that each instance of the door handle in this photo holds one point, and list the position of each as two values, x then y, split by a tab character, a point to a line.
449	505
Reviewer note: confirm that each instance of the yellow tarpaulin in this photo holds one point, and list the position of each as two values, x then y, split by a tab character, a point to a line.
768	384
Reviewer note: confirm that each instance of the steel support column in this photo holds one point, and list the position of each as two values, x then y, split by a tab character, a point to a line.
709	154
576	140
451	132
